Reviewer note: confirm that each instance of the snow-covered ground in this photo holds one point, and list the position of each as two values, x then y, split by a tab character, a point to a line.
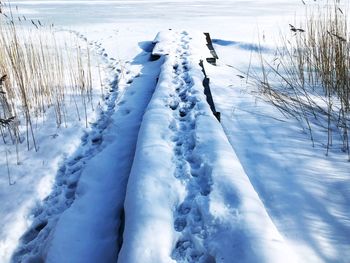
251	190
305	193
197	196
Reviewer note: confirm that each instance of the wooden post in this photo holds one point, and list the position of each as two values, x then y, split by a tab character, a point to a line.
211	60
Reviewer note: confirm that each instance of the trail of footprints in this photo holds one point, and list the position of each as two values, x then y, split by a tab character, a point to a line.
64	192
191	169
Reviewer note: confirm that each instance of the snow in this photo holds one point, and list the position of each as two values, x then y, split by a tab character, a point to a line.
252	189
304	192
103	181
33	178
210	211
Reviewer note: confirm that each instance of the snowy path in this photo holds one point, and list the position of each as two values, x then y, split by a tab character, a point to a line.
79	220
63	194
168	165
188	198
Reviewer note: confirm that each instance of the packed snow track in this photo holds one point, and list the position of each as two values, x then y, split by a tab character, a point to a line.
160	157
82	218
188	198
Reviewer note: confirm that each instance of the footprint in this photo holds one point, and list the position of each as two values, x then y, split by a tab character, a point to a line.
183	244
182	112
183	127
178	151
205	189
69	194
173	127
72	185
184	208
183	95
97	139
40	226
180	224
173	104
33	232
196	255
74	168
195	162
187	79
181	247
190	104
191	144
196	215
179	143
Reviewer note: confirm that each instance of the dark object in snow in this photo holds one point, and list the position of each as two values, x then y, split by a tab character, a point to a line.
295	30
211	60
3	78
214	57
5	122
153	57
208	94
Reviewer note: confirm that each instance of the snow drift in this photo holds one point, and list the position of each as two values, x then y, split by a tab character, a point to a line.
188	198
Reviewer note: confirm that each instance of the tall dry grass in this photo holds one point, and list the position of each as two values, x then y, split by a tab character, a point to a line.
39	71
309	78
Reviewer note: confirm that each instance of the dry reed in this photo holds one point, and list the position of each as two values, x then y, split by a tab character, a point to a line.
309	76
40	72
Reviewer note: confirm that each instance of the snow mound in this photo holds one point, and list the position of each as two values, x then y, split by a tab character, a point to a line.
188	198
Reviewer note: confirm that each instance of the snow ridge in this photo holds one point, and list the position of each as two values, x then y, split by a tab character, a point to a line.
91	229
188	199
